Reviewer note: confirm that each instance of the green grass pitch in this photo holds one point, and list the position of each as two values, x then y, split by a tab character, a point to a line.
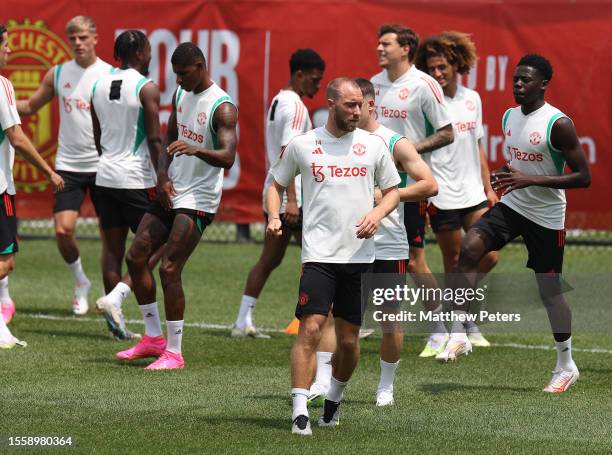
233	396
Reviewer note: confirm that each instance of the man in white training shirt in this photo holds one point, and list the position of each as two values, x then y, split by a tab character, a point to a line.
287	117
411	103
339	165
77	159
125	114
540	140
12	138
202	138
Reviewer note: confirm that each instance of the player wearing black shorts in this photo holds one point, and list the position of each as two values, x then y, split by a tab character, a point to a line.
286	118
532	206
339	166
76	159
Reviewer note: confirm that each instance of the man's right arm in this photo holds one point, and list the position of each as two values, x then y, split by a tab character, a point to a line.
165	188
43	94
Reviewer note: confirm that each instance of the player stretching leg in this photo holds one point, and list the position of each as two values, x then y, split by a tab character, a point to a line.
12	138
460	168
339	165
287	117
202	138
540	140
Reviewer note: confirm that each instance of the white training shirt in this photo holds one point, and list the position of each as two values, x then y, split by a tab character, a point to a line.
338	178
198	184
391	240
287	117
8	118
412	105
456	167
76	151
527	141
125	162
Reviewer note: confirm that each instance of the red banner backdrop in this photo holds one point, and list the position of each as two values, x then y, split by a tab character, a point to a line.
248	44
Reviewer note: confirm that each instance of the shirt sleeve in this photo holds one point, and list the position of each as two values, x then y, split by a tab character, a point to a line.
293	118
479	128
286	168
433	105
385	175
8	107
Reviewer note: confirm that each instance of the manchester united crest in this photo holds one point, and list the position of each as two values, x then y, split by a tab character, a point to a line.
201	118
359	149
35	49
535	138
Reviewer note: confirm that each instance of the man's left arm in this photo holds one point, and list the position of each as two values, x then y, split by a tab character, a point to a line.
563	137
224	123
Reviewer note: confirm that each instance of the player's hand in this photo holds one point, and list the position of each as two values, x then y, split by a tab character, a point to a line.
377	196
165	191
509	179
492	197
178	148
57	181
274	228
367	226
292	213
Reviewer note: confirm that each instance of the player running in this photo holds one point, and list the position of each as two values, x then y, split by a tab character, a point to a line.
411	103
13	138
339	165
460	168
125	114
77	158
202	138
287	117
540	140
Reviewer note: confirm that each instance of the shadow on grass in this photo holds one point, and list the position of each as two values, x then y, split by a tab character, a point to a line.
110	360
59	312
263	422
436	389
68	334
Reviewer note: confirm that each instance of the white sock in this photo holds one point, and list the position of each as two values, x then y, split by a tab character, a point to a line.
245	315
437	327
336	388
457	330
299	398
324	369
5	333
119	293
387	374
174	333
564	355
79	274
4	290
150	315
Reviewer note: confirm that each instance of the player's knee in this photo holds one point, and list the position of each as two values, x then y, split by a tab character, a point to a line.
169	271
63	233
310	330
348	343
135	259
471	253
490	260
7	266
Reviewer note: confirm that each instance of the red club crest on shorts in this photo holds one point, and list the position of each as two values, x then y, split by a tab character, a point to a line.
403	94
201	118
470	105
359	149
535	138
303	300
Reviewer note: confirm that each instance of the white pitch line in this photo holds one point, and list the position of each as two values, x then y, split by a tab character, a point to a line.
208	326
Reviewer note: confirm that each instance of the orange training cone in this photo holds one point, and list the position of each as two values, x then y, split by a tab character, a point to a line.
292	328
